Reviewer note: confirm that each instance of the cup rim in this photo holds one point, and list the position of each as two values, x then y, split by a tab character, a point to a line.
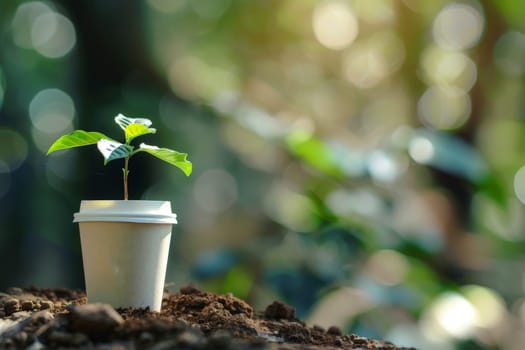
139	211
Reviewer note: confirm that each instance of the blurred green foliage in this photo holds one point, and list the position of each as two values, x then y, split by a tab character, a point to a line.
361	160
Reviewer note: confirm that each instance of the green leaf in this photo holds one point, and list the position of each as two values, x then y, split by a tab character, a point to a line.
314	152
136	130
170	156
112	150
76	138
124	121
239	281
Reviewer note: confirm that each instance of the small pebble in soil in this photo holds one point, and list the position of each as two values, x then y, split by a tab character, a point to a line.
27	305
95	318
46	304
338	342
279	310
296	333
42	317
333	330
11	306
189	290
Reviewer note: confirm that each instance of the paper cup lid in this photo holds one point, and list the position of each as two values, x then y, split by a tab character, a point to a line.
141	211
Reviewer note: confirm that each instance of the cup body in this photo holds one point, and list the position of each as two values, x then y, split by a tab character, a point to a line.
125	247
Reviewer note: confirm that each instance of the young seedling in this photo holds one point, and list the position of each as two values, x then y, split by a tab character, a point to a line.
111	149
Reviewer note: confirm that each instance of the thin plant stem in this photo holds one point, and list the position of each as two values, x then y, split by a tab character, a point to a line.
126	172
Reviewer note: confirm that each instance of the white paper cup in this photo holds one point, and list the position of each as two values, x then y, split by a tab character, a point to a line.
125	246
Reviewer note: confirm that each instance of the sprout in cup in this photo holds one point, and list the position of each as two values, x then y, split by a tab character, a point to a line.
111	149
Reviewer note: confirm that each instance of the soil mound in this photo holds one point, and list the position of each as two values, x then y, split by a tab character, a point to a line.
36	318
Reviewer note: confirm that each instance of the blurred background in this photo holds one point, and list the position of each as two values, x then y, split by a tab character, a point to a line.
361	160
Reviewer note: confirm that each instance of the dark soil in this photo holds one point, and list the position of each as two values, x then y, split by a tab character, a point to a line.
35	318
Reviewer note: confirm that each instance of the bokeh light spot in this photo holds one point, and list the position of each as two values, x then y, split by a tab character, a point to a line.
519	184
53	35
444	108
388	267
289	208
450	315
334	24
367	63
23	20
450	69
13	150
363	67
509	53
458	27
383	166
215	191
489	306
195	78
52	112
375	11
421	150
